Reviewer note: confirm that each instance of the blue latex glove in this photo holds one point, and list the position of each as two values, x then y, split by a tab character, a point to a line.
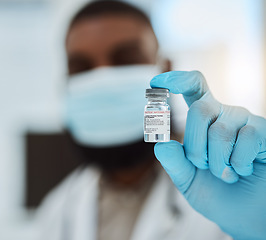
222	145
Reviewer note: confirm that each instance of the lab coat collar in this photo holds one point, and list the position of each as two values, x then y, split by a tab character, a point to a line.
160	212
165	214
157	217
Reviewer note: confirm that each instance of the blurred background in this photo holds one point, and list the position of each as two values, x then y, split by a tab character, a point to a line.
225	40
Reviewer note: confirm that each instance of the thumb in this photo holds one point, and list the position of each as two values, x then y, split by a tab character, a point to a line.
172	157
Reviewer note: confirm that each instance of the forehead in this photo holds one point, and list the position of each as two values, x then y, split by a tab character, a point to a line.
106	31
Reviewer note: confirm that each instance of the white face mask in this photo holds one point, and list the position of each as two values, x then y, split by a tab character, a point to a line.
104	107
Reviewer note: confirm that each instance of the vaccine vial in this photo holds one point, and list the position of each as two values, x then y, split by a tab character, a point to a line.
157	116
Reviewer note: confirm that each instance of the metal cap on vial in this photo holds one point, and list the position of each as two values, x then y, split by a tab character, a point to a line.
157	92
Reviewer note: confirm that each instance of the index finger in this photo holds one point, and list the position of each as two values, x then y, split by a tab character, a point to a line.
192	85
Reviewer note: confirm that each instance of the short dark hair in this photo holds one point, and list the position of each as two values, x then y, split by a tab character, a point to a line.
105	7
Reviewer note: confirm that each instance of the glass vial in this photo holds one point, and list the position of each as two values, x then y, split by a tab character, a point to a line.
157	116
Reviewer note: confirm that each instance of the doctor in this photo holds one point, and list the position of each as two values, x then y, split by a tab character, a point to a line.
121	193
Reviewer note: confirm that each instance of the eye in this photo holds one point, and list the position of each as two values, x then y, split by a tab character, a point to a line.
129	53
78	64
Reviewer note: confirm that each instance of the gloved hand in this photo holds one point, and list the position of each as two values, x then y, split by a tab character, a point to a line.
220	168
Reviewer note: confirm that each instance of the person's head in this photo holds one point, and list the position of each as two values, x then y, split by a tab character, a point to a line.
104	39
109	33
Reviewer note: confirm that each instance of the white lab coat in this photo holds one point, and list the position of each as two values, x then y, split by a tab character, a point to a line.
70	212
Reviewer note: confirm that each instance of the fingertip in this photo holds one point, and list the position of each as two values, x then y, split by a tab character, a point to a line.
229	175
169	80
165	148
168	153
159	80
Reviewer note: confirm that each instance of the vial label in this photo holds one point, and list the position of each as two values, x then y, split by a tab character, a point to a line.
157	122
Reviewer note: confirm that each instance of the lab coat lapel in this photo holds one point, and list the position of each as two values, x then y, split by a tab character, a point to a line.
83	216
157	218
167	215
